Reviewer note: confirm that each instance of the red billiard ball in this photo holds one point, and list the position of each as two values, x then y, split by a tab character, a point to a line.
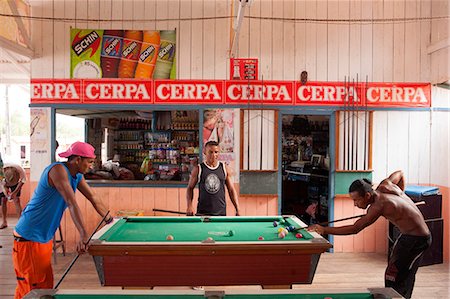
299	236
169	238
261	238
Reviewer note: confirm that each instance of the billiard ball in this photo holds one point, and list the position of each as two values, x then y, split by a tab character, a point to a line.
291	228
209	239
282	235
169	238
231	233
261	238
299	236
275	224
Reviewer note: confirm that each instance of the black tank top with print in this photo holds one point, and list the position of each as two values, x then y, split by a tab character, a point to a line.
211	187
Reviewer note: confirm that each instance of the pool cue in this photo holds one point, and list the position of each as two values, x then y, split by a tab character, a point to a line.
169	211
176	212
78	254
359	216
338	220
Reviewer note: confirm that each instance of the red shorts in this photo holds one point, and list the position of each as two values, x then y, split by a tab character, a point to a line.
33	266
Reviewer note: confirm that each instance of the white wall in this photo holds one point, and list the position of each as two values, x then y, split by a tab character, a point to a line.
417	142
375	47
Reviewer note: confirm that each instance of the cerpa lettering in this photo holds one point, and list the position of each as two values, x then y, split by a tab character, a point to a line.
396	95
187	92
55	91
237	92
111	91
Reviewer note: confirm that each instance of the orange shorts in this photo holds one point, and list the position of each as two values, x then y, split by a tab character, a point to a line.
33	266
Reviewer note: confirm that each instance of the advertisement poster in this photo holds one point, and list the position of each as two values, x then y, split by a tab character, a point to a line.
218	126
40	139
139	54
243	69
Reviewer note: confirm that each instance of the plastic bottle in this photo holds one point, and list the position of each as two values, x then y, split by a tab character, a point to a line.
166	55
111	52
148	54
132	42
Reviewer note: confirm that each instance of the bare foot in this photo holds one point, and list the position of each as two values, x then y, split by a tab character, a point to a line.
4	225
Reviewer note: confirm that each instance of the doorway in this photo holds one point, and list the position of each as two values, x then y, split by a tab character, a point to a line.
305	167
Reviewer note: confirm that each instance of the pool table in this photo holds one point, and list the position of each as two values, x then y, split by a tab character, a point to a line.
376	293
206	251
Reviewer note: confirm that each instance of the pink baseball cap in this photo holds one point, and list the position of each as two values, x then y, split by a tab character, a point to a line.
79	148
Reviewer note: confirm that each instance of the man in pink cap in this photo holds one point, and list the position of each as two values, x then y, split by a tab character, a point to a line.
41	217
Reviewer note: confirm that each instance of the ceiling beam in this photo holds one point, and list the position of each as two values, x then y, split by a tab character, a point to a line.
20	24
16	48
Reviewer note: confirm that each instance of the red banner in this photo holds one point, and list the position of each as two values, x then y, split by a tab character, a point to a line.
362	94
258	92
189	92
218	92
56	91
117	91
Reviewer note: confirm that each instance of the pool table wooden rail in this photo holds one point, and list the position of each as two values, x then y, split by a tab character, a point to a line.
381	293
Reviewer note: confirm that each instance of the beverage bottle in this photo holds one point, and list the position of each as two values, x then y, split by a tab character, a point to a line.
148	54
132	41
111	52
166	55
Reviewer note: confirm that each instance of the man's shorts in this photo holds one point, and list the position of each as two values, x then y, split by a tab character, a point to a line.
3	195
32	264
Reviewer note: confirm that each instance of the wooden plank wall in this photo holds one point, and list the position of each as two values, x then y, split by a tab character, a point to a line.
384	51
287	36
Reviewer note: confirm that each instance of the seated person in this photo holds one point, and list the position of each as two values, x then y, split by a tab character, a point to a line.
310	216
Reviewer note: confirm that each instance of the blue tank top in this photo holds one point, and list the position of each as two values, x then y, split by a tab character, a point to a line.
42	215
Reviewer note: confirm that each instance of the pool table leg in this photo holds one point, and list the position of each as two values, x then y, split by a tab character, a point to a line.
277	286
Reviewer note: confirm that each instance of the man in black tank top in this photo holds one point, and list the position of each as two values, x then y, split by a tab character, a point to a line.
212	176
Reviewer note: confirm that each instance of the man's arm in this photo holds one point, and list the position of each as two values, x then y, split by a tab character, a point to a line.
17	190
193	180
398	178
373	213
394	184
58	179
231	190
98	205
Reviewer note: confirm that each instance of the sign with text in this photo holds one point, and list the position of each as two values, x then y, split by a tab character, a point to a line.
126	54
362	94
189	92
243	68
237	93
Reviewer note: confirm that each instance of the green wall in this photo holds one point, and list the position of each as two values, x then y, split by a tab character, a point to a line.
342	180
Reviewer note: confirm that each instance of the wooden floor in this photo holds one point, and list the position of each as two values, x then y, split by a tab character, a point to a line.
335	271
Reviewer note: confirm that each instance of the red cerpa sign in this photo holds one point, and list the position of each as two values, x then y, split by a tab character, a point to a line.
233	92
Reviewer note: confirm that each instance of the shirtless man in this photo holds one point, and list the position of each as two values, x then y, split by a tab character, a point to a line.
389	201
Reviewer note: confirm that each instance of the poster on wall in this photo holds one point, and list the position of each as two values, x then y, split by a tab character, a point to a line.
243	68
139	54
40	140
218	126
